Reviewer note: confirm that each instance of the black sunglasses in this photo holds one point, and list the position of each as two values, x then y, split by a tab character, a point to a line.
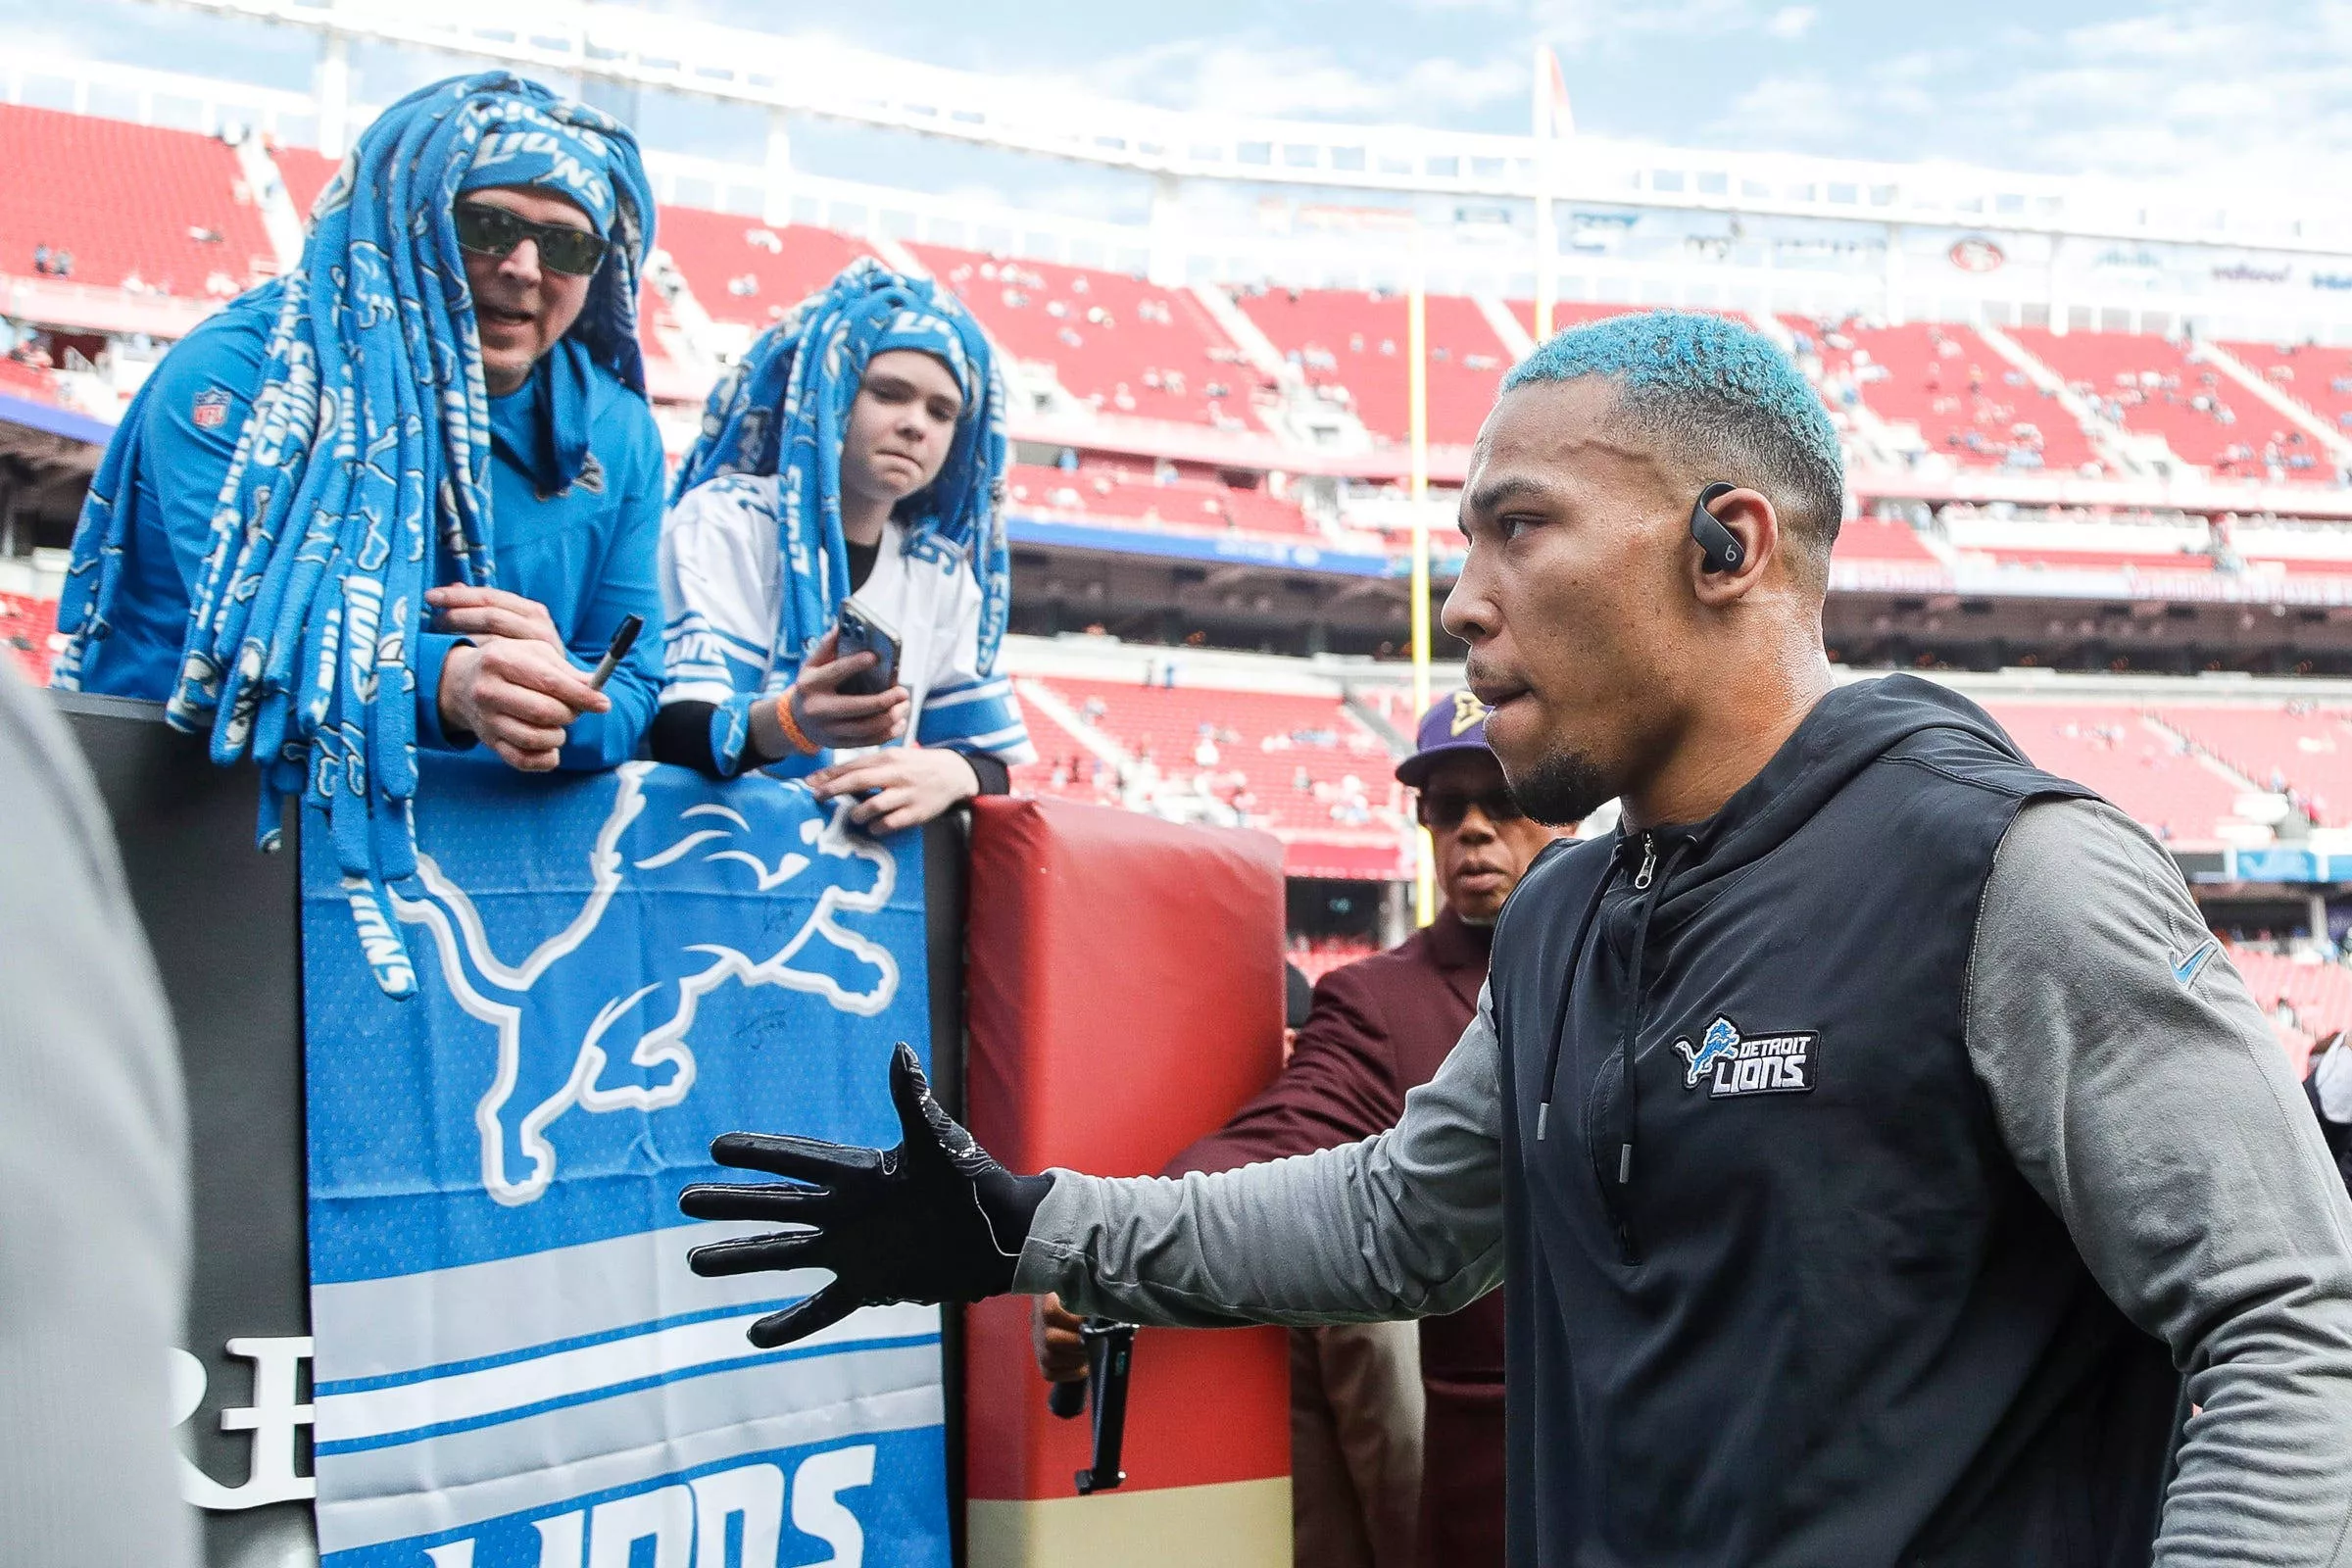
1445	812
490	231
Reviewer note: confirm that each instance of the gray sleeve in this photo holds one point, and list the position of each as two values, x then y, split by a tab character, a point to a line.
2140	1090
93	1185
1402	1225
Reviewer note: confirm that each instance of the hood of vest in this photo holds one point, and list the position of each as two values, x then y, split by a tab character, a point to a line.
1847	730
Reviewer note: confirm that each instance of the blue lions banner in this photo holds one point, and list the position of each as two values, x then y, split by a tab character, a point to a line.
513	1367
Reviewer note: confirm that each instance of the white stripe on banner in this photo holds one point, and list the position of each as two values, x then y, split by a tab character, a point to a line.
430	1387
430	1324
464	1402
473	1486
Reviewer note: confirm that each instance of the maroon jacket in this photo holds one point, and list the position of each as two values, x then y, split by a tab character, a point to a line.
1379	1029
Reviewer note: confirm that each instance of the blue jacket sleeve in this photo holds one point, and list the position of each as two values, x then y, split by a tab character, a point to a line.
191	414
432	652
629	584
186	461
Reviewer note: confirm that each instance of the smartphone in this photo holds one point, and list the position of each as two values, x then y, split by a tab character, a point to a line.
864	632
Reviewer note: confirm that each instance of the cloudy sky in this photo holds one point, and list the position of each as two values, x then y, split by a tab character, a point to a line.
2255	91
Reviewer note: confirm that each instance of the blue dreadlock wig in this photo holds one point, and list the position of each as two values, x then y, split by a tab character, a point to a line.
783	412
362	476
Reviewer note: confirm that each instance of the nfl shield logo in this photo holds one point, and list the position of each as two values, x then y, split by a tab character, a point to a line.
211	409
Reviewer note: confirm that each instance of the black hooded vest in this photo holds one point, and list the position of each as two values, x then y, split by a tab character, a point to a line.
1778	1296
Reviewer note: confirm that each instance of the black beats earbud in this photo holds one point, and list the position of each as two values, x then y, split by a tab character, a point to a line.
1719	546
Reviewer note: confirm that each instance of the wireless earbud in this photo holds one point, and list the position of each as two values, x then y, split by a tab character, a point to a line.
1721	548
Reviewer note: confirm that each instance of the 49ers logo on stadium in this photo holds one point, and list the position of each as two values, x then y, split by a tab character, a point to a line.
1760	1064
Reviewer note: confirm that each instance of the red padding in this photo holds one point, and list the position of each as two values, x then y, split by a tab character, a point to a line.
1125	997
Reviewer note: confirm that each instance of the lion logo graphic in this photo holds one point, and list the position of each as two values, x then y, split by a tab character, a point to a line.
602	989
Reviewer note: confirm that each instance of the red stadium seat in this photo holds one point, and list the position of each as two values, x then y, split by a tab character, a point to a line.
2307	752
20	381
1125	347
2108	745
2319	995
1296	765
1319	958
1964	399
747	271
160	210
2155	386
305	173
25	626
1868	538
1351	346
1191	504
2319	379
2054	558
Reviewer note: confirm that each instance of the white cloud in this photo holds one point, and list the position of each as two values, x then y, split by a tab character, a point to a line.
2254	94
1255	77
1795	114
1791	21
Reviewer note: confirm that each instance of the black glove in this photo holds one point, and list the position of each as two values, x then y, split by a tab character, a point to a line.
934	1219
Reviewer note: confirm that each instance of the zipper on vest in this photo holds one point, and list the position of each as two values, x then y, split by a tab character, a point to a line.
1559	1017
1619	1204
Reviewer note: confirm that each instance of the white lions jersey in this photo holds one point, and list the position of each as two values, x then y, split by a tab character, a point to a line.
723	588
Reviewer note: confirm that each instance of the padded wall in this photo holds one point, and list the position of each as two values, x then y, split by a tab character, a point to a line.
1125	992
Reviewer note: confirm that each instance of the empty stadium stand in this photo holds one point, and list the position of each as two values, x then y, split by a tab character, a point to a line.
1351	347
137	207
1889	539
2056	558
1966	401
2316	376
1124	347
1187	503
2316	995
1298	764
2302	751
749	272
2154	386
305	173
2110	746
1318	956
25	626
19	379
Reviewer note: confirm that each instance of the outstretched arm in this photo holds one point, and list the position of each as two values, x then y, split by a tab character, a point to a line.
1402	1225
1406	1224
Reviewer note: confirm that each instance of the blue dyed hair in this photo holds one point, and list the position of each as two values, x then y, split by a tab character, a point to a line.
1726	403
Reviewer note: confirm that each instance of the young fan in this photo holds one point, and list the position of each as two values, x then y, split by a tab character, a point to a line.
869	465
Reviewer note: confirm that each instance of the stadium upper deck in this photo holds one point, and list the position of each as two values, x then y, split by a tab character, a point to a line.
1237	399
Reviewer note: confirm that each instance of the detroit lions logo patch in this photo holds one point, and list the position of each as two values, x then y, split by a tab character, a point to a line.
1761	1064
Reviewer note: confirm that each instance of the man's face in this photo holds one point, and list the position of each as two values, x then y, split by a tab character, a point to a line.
901	426
1483	855
1573	597
521	309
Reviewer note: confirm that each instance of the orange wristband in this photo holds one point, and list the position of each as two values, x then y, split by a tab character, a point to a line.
794	735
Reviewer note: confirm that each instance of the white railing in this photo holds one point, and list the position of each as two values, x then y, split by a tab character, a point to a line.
812	75
165	98
1899	276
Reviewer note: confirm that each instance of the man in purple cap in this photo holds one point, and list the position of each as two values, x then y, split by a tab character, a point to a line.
1377	1029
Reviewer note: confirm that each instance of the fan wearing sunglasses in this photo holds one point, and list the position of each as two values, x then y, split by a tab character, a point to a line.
550	225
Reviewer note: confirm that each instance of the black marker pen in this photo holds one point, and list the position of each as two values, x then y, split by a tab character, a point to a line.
624	638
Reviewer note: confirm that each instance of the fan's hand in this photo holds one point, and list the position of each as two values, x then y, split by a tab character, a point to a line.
934	1219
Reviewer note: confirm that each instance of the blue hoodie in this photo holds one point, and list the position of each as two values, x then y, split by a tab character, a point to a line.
589	553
